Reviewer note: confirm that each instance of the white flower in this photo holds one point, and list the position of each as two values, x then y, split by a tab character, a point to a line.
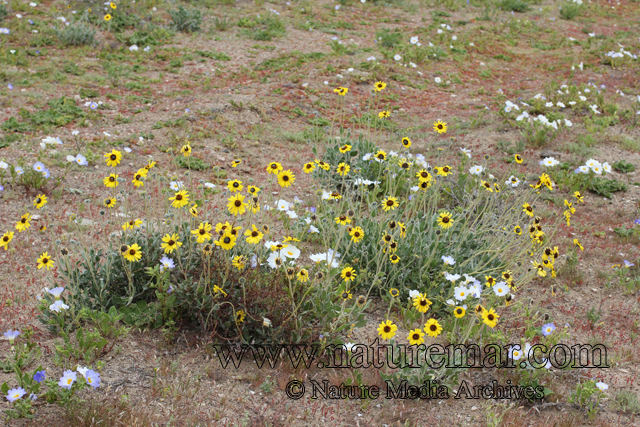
326	257
81	160
568	123
606	167
448	260
292	214
454	38
549	104
106	133
550	162
438	80
594	108
476	170
461	293
591	163
451	277
572	103
501	289
82	371
313	229
397	57
176	185
602	386
440	31
584	169
413	40
290	252
367	156
57	306
147	49
451	302
476	289
515	352
266	322
209	185
413	293
348	346
272	259
283	205
466	152
513	181
582	98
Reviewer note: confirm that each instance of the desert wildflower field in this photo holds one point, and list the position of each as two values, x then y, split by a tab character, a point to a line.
319	213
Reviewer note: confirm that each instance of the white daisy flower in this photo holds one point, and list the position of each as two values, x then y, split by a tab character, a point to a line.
501	289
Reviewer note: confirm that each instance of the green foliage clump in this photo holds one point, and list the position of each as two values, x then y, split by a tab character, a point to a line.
186	20
624	166
606	187
263	29
570	10
192	163
3	12
151	35
77	34
514	6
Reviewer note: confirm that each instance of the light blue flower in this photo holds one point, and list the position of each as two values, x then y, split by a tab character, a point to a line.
39	376
12	335
548	329
93	378
15	394
67	380
167	263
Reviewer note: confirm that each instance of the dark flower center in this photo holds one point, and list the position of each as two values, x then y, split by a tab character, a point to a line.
227	239
490	317
5	238
111	179
433	328
445	219
203	231
439	126
23	220
45	260
254	234
356	234
415	337
132	251
238	203
113	157
387	329
389	202
179	197
423	302
459	311
235	184
285	178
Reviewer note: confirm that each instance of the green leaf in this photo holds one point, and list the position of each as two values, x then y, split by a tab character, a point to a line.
4	388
